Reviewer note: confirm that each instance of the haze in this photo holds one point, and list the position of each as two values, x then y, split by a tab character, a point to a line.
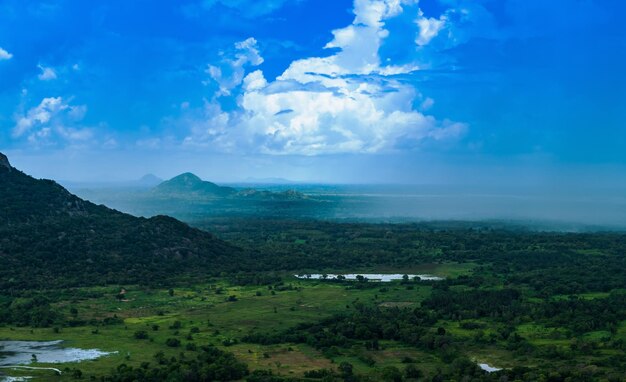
518	104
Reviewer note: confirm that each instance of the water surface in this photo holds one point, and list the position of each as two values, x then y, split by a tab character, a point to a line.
26	352
488	368
370	276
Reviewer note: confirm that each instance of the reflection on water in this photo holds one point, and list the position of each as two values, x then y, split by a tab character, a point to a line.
488	368
26	352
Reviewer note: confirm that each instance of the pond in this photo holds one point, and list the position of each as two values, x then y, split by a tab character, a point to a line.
488	368
25	352
370	276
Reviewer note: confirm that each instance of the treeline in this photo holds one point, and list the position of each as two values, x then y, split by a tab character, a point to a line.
549	263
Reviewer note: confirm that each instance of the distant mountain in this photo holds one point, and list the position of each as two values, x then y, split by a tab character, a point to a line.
188	184
150	180
52	238
252	193
270	181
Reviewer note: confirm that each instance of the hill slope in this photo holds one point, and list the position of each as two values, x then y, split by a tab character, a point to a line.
51	238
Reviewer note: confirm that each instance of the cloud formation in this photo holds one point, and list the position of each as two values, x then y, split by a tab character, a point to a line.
4	55
429	27
47	73
347	102
230	71
52	119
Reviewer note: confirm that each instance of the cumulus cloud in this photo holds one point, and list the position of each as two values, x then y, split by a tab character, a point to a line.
254	81
52	119
4	55
47	73
347	102
358	45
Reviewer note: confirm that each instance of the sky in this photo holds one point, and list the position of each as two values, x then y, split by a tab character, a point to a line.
365	91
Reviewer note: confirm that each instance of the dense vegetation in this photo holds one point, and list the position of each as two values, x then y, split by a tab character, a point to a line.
548	263
178	303
209	364
51	238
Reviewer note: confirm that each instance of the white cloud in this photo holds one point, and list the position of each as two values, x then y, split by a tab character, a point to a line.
428	28
464	20
358	46
53	118
329	122
254	81
39	115
347	102
427	104
229	72
4	55
47	73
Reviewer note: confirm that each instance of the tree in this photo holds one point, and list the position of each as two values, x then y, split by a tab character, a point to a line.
411	371
345	368
172	342
392	374
141	335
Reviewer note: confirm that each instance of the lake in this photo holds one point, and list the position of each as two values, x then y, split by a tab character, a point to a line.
488	368
20	353
370	276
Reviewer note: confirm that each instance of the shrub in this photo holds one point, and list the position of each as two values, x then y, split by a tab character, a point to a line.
172	342
141	335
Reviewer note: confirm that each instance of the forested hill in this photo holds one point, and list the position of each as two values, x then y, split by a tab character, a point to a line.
52	238
188	184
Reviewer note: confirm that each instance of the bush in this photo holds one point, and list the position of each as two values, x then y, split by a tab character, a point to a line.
172	342
176	325
410	371
141	335
392	374
346	369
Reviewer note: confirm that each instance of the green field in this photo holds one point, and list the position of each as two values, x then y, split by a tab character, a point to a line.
217	312
218	320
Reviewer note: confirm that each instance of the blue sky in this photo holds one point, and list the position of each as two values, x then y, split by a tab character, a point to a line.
342	91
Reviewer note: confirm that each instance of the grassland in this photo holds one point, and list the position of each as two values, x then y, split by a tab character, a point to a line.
207	313
219	313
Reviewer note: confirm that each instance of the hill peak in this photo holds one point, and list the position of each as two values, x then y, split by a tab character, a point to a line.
190	183
187	177
150	180
4	161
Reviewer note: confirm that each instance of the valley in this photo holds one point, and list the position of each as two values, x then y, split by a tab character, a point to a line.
444	300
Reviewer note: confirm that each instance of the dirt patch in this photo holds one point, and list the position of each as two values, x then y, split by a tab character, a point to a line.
284	361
